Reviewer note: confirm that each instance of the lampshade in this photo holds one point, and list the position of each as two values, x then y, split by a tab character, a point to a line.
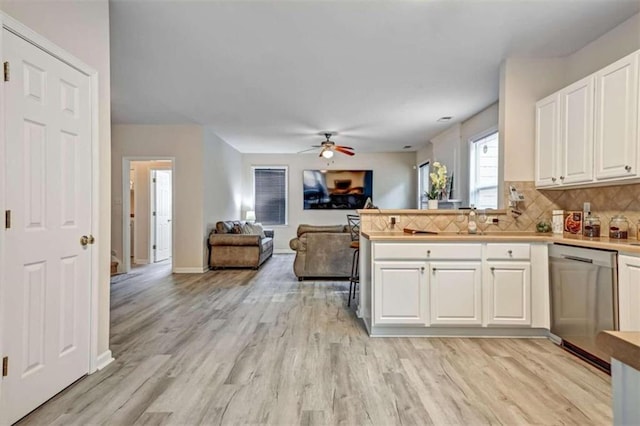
250	216
327	153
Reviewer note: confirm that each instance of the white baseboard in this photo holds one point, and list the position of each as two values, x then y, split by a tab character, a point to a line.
194	270
283	251
141	261
104	359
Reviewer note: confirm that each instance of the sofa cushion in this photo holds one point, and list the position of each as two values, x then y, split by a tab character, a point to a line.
253	229
267	244
227	227
303	229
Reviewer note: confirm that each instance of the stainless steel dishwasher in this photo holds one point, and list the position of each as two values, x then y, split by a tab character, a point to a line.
584	299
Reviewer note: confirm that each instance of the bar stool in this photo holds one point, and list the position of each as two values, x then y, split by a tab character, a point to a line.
353	220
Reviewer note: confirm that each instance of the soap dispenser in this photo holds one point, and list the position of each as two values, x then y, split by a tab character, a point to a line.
472	226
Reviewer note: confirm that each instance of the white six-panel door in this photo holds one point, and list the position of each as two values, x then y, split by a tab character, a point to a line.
47	272
162	209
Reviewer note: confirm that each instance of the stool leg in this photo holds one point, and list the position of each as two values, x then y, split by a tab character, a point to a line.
354	275
356	272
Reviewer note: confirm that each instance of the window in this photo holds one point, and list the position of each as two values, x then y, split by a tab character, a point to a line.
423	183
270	195
483	172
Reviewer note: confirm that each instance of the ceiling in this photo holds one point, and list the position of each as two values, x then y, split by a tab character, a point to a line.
268	76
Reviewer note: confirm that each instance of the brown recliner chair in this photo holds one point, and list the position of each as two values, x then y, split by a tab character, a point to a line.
228	249
322	251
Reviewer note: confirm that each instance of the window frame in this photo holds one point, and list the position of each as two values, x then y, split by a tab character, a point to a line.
286	190
422	200
476	138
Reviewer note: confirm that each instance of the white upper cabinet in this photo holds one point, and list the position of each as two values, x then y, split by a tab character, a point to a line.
587	133
616	122
547	141
576	132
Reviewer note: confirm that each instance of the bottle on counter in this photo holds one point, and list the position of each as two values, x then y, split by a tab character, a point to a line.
472	226
557	221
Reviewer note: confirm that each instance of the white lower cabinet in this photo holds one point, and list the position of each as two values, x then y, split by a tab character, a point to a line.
507	288
456	293
401	293
629	292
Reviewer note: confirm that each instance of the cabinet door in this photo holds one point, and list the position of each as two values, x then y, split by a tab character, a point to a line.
508	293
456	293
576	132
547	141
400	293
616	119
629	292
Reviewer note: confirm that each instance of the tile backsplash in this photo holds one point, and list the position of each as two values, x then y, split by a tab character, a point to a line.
538	205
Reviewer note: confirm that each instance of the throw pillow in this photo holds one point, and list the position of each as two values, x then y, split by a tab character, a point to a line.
253	229
237	229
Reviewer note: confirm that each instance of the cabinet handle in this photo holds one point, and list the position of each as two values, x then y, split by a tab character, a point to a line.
422	269
434	270
561	177
510	252
428	253
493	269
627	168
553	179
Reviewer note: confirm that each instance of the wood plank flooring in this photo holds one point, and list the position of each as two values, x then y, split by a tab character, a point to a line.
259	347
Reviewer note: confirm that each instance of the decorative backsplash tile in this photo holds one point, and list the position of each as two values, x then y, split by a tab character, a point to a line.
538	205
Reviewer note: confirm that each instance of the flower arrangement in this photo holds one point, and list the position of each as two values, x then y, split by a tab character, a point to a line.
438	181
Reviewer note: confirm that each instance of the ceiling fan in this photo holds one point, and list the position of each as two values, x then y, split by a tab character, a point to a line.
329	147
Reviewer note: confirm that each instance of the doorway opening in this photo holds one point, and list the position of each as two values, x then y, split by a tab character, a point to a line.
148	213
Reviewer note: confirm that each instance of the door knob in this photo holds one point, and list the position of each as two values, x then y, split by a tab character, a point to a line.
91	239
84	240
553	179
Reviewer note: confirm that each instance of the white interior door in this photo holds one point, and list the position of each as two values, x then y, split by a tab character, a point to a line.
47	271
162	209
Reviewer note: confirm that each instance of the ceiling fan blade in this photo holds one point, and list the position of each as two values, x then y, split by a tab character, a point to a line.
344	151
345	147
307	150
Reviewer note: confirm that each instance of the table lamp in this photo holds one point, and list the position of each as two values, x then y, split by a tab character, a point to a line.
250	216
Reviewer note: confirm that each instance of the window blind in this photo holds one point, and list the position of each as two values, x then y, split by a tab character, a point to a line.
270	195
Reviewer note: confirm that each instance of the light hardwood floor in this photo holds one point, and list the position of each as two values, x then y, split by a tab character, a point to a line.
259	347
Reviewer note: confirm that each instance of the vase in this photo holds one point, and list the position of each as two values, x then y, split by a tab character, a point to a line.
432	204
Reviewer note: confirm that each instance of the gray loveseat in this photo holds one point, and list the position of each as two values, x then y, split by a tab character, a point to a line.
229	247
322	251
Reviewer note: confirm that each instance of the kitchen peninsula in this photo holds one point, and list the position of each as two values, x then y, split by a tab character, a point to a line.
456	284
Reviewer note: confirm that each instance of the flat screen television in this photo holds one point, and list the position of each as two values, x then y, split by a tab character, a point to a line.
336	189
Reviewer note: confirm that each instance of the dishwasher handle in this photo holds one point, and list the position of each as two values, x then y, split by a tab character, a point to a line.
577	259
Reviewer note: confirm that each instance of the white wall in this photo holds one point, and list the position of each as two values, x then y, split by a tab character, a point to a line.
471	128
142	194
394	185
525	81
82	28
446	151
222	183
617	43
184	144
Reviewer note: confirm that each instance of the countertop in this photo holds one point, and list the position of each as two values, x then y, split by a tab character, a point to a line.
621	345
626	246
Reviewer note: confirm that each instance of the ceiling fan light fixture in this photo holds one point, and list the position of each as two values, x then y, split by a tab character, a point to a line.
327	153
